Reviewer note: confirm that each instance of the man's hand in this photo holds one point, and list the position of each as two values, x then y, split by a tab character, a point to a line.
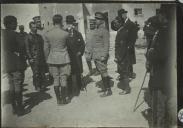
103	58
79	53
31	60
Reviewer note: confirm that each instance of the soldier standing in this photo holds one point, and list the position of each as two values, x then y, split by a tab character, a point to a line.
100	51
58	59
21	40
132	36
35	53
12	63
76	46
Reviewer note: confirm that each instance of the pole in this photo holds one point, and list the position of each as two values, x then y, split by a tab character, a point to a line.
140	91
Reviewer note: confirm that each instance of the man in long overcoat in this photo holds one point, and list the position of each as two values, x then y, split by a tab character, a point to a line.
132	36
76	47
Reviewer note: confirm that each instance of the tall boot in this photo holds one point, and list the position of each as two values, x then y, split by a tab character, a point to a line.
20	108
127	89
103	88
65	96
57	93
13	102
108	91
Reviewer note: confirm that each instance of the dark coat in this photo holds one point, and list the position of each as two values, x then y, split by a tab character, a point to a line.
75	44
159	59
11	52
132	30
35	49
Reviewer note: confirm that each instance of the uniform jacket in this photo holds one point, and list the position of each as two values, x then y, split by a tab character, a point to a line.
35	48
98	43
55	46
76	44
11	52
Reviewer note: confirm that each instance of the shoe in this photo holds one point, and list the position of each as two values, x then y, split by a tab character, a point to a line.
124	92
107	93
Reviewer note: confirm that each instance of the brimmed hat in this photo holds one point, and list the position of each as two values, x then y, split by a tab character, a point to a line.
122	11
70	19
37	19
99	16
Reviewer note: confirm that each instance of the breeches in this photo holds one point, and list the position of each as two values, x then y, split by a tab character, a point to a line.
15	81
101	66
38	74
60	73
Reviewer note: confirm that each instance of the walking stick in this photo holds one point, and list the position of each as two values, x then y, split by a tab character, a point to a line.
140	91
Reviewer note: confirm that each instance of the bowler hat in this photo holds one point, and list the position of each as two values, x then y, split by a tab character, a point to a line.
99	16
36	18
70	19
122	11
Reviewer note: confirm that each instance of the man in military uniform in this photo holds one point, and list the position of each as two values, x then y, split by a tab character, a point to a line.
35	53
12	63
58	59
76	47
99	39
21	40
132	32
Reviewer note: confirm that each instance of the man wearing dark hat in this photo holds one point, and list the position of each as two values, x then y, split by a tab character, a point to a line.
132	36
58	59
100	51
125	52
35	54
12	63
76	46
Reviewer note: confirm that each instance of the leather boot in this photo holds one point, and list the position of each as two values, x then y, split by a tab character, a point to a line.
65	96
13	102
108	91
103	87
127	89
20	111
57	93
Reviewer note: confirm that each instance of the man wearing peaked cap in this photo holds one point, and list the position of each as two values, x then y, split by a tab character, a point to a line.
99	51
76	46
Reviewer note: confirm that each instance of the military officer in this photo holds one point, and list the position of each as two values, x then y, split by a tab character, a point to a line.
35	53
99	39
12	63
58	59
21	40
132	31
76	46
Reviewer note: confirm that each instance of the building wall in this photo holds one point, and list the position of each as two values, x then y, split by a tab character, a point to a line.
148	10
23	12
47	11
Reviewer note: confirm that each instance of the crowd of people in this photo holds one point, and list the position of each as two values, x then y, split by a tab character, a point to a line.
57	53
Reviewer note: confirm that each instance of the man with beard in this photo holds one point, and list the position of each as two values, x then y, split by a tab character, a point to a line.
76	46
13	64
35	53
131	39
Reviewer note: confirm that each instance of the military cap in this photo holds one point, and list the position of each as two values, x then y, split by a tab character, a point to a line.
9	19
36	18
122	11
70	19
99	16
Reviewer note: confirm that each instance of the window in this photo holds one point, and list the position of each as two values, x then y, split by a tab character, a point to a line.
138	12
157	11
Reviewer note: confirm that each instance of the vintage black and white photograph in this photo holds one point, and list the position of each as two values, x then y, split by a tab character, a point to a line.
89	65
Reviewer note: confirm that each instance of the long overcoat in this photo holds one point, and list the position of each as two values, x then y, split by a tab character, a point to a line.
76	44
